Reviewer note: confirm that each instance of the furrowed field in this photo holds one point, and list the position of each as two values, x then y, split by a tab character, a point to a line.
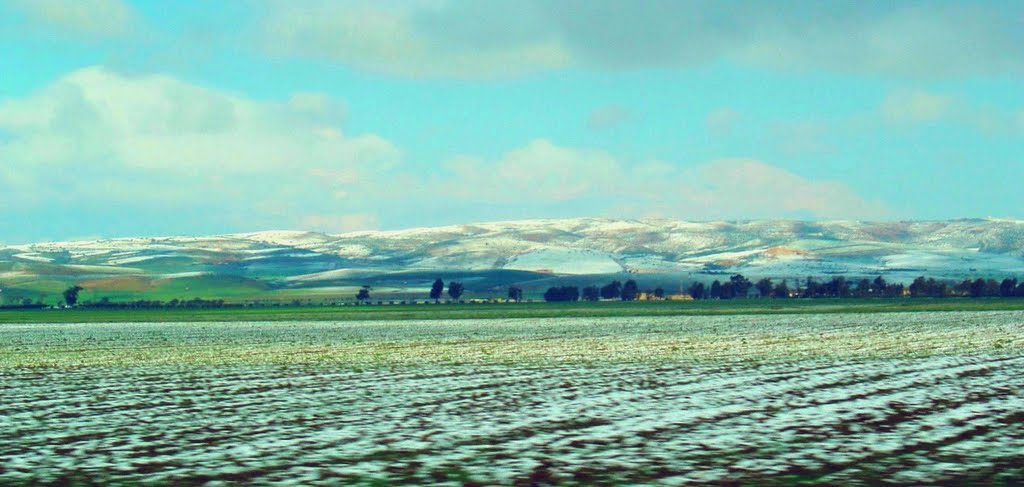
818	398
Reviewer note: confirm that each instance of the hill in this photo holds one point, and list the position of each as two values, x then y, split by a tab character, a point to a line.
487	257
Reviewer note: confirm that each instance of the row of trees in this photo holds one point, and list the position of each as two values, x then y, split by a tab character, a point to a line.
562	293
738	287
629	291
455	290
194	303
978	288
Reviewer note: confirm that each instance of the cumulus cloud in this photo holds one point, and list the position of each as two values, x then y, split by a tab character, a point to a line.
755	189
488	38
319	106
542	173
153	147
539	171
96	135
99	18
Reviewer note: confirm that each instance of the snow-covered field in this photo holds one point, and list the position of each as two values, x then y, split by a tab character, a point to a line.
918	398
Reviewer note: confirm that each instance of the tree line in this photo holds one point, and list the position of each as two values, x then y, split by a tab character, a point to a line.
739	287
195	303
628	291
736	287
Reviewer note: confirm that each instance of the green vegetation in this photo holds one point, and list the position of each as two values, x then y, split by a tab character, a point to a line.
436	290
512	310
363	294
455	290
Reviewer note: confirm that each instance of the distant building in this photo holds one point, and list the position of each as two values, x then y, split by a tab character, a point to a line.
679	297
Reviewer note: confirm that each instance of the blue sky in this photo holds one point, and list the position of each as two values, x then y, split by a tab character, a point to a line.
123	117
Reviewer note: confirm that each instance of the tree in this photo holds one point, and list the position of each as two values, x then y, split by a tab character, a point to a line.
437	290
811	288
879	286
515	293
71	295
741	285
611	290
696	290
764	287
922	287
455	290
1007	287
863	288
630	290
363	294
659	292
964	288
917	288
563	293
838	287
591	293
728	290
781	290
716	290
978	288
991	288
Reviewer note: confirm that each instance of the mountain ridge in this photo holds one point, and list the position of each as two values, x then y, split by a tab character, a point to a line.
489	255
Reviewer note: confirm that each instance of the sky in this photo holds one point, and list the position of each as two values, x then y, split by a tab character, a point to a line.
123	118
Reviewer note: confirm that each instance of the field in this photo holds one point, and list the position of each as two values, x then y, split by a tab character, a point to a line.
400	312
837	398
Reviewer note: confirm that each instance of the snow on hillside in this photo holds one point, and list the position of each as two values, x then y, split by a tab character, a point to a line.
565	261
566	246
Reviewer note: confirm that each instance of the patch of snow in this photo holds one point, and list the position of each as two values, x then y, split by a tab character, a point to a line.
179	275
139	258
33	258
565	261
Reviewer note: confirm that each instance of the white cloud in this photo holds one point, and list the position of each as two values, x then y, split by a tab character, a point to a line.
542	173
95	135
144	147
754	189
539	171
99	18
319	106
159	122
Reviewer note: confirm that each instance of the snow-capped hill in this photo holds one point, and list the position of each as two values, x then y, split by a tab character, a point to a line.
580	246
